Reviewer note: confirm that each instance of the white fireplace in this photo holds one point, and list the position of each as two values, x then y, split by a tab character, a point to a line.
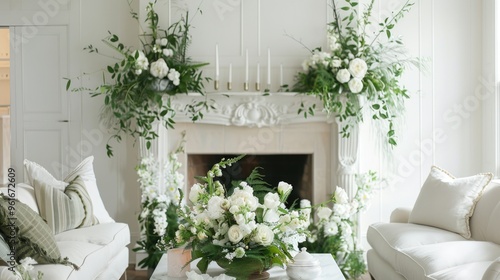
253	123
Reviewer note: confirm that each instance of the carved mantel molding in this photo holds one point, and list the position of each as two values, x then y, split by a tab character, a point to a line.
251	109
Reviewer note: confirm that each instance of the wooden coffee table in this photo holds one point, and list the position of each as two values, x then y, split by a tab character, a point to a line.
329	270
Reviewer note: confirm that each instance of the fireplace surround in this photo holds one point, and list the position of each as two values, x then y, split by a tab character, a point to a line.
258	123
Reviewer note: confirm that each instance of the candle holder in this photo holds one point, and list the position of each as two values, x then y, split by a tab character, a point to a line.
216	84
245	86
257	86
229	86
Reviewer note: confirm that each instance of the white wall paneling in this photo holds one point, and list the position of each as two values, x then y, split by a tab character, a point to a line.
489	86
237	25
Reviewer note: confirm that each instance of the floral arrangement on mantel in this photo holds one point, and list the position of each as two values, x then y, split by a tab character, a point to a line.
158	219
245	228
335	230
141	78
360	65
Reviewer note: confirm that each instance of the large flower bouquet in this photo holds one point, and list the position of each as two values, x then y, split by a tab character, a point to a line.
245	228
364	63
134	97
335	230
158	218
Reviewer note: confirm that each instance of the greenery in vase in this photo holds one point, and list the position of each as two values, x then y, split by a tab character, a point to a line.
143	80
334	232
245	227
158	219
358	65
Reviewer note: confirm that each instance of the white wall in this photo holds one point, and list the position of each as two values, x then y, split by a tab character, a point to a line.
442	125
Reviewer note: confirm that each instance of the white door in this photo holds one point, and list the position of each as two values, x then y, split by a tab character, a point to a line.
40	105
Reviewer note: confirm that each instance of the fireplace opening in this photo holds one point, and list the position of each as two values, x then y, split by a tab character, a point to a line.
295	169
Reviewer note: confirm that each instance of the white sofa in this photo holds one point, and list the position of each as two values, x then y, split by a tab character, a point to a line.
100	251
402	250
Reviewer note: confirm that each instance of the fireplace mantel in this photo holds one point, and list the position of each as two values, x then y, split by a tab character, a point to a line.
268	123
251	109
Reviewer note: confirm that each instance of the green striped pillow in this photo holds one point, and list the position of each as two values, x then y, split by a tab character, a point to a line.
65	210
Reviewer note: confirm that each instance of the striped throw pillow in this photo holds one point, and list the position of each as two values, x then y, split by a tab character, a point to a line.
65	210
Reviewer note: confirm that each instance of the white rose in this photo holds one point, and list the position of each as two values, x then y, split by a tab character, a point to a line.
272	200
336	63
215	210
159	69
163	41
343	76
194	193
235	234
284	188
341	196
355	85
263	235
358	68
138	72
271	216
324	213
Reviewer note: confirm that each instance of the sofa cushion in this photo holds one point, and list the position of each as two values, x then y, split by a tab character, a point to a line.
422	261
470	271
387	239
113	235
493	271
447	202
65	210
91	258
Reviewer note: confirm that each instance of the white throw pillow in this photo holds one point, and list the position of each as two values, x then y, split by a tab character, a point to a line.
447	202
34	171
86	170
